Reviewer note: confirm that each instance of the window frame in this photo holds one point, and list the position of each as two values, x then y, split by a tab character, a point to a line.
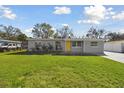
76	44
94	43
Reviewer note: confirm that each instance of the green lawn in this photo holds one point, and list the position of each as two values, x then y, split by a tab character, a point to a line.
59	71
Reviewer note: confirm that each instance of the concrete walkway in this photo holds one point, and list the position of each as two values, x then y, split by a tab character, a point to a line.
114	56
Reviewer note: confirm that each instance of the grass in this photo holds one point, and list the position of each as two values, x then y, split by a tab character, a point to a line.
59	71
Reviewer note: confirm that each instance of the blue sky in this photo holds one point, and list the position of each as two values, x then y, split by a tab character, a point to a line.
79	18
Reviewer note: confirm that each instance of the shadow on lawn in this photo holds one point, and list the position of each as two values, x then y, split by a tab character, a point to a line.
50	53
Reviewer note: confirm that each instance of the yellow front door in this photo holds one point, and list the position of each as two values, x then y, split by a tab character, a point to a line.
68	45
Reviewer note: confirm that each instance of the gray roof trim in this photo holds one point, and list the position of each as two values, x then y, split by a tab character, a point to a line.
10	41
74	39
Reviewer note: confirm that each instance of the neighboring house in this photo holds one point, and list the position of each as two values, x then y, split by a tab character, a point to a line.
72	46
9	45
114	46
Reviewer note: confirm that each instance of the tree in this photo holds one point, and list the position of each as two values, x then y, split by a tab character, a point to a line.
92	33
56	35
64	32
95	33
2	34
101	33
42	30
9	32
21	37
112	36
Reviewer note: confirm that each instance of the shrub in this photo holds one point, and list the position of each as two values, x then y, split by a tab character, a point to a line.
50	47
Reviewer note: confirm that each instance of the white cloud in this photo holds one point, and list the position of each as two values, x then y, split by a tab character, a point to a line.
54	29
121	31
111	13
65	25
7	13
119	16
91	21
28	30
88	21
79	21
95	14
62	10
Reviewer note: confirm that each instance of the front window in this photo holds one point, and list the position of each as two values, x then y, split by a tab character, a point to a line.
58	45
76	44
93	43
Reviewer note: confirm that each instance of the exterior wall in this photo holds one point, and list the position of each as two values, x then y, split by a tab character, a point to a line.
115	46
85	46
77	50
31	44
63	45
88	49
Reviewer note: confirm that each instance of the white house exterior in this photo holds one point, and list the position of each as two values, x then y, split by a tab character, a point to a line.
114	46
73	46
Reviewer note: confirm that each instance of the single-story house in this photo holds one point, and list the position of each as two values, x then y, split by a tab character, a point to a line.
73	46
114	46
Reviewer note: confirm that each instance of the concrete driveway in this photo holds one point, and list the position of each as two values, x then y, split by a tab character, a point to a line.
114	56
